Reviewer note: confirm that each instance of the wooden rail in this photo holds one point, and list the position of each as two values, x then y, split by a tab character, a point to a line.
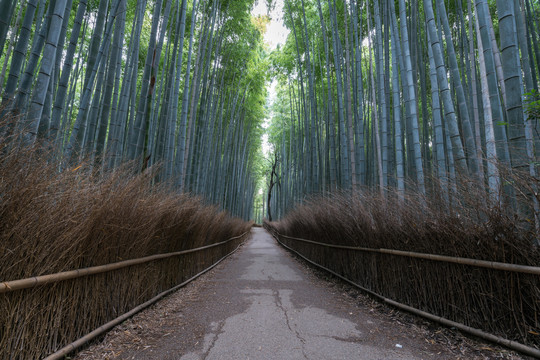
27	283
525	269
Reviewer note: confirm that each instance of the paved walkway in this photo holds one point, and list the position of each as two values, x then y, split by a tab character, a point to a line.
263	304
289	316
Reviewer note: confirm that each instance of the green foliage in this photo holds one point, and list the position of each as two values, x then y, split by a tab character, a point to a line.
532	100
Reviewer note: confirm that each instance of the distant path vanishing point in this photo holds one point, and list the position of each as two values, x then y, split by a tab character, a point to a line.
263	304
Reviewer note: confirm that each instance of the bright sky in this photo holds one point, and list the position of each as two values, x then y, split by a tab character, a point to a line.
276	32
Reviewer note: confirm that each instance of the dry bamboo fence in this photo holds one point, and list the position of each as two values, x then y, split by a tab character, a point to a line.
108	326
524	269
47	313
27	283
407	284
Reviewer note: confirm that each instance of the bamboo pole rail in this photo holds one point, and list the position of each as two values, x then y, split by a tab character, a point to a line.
525	269
8	286
60	354
531	351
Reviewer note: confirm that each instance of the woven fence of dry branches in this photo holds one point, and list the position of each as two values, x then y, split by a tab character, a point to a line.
53	222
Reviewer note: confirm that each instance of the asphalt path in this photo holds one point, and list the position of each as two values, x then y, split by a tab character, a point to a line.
289	316
261	303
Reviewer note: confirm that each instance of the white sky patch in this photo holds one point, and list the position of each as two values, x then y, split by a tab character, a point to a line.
276	32
272	90
266	146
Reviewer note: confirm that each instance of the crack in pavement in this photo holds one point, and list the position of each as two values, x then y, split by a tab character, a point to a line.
279	304
214	340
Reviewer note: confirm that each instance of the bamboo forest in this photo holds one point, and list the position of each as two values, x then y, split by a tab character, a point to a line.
370	137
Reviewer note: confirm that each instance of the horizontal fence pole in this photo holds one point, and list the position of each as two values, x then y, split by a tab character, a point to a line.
467	329
27	283
60	354
525	269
